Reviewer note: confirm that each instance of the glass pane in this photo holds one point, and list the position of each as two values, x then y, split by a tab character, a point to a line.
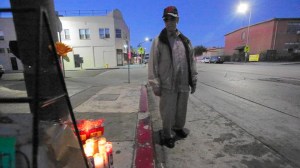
81	31
1	35
101	33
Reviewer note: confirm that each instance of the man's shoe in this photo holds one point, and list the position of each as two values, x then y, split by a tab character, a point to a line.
170	143
182	133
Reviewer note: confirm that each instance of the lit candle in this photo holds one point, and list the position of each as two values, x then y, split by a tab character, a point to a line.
105	158
101	145
92	143
88	150
98	160
109	152
102	149
102	140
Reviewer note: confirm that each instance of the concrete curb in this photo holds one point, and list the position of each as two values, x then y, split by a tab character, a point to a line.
143	100
144	149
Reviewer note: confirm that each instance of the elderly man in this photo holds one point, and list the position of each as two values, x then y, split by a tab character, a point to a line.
172	74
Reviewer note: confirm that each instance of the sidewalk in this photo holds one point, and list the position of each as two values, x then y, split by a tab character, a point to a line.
214	142
124	109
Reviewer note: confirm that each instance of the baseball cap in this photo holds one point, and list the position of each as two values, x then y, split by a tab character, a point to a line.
170	11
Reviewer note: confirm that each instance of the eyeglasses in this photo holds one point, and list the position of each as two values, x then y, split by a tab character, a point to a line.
172	19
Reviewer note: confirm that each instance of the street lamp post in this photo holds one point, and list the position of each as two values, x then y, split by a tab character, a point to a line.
144	49
243	8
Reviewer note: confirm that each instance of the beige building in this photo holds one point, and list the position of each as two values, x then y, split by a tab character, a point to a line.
97	41
7	34
213	52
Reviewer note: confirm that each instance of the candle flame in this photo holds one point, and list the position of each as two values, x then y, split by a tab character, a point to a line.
88	150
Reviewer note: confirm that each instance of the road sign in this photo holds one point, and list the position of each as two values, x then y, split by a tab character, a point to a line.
247	49
254	58
141	50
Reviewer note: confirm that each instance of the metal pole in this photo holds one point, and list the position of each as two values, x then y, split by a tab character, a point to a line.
128	70
61	59
248	27
248	31
128	62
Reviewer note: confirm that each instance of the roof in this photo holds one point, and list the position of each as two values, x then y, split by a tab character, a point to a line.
274	19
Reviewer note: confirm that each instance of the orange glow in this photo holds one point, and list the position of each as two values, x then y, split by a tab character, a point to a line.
88	150
102	141
89	124
99	160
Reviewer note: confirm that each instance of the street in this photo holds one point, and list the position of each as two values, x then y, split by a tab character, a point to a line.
241	114
262	99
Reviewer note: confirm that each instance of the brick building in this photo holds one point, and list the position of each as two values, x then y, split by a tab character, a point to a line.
275	39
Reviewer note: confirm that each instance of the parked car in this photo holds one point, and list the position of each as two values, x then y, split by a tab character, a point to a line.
202	60
216	59
146	59
205	59
1	71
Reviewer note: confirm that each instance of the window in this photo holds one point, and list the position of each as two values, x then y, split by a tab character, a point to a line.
104	33
66	34
293	27
2	50
118	33
243	36
294	45
77	60
84	34
1	35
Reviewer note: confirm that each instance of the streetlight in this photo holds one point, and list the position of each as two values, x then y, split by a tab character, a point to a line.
146	39
143	49
243	8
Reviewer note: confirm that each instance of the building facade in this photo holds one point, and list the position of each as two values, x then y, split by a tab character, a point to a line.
274	39
213	51
7	34
97	41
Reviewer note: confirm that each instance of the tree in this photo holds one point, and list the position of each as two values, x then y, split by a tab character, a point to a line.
199	50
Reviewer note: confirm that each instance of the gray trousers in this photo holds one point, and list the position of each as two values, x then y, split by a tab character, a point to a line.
173	107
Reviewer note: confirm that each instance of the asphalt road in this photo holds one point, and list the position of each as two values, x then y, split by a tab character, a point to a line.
263	99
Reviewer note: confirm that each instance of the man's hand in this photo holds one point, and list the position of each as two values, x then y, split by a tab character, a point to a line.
193	89
156	91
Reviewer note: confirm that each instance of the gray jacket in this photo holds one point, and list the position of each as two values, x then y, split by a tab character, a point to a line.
160	67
